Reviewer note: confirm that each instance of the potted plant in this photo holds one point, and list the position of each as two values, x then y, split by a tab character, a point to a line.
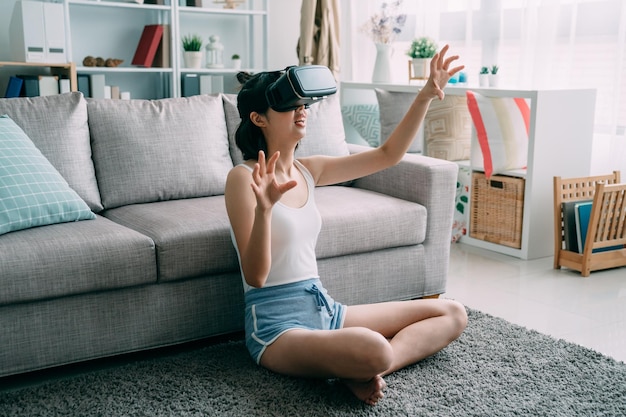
483	77
236	61
494	77
192	47
421	51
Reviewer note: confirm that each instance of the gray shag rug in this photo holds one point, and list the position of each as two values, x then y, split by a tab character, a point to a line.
494	369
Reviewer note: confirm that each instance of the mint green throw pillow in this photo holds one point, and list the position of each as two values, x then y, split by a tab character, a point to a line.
32	192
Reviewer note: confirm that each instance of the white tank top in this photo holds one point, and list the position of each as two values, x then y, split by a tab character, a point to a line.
294	236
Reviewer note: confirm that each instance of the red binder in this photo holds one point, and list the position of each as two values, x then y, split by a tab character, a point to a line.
148	44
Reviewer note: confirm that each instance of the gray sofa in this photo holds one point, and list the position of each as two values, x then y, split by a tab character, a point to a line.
155	266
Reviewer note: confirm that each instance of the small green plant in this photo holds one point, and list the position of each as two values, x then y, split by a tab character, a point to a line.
484	70
494	69
422	48
235	56
192	43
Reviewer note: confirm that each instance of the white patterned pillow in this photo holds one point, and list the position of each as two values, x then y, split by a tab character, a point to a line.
501	125
448	129
32	192
365	118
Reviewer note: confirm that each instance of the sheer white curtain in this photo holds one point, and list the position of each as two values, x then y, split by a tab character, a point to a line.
536	44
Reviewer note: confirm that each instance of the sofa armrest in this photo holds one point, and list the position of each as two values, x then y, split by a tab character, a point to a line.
432	183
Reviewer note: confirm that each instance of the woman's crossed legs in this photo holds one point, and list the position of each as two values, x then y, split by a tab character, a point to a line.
376	340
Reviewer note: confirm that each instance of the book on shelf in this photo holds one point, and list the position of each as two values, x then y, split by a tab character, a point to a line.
148	45
97	86
40	85
162	56
14	87
190	85
83	84
64	85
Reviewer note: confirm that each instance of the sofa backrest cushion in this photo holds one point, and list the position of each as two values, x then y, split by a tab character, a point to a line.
324	133
32	192
155	150
57	125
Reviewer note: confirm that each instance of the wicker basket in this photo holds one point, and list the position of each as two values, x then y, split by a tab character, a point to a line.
497	208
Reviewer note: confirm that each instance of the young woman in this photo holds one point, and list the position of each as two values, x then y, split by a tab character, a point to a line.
293	326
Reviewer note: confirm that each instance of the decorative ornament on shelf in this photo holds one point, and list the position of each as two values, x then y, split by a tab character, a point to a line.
494	78
90	61
421	51
192	47
229	4
383	27
214	53
483	77
236	59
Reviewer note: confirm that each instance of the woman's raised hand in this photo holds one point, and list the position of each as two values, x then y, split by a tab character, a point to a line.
265	187
440	73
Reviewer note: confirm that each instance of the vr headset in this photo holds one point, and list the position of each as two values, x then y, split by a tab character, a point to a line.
299	86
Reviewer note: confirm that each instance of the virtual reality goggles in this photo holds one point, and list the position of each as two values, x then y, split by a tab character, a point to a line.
299	86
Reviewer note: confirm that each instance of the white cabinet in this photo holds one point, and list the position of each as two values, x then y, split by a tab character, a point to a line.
111	29
559	144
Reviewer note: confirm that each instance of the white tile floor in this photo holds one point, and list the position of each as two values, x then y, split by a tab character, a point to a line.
586	311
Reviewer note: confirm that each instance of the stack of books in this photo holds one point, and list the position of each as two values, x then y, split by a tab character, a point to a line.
576	215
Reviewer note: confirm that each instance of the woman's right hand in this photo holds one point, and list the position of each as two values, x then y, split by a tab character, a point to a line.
265	187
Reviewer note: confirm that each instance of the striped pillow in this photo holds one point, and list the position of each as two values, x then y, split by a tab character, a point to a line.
502	125
32	192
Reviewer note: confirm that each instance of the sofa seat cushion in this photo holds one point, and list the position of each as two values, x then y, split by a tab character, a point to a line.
192	236
357	221
57	125
73	258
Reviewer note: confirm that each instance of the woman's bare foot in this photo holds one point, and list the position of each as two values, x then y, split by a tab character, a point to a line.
370	391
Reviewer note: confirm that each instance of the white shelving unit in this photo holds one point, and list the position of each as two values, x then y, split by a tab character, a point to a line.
559	144
111	29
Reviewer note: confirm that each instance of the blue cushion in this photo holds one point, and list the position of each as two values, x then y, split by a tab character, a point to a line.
32	192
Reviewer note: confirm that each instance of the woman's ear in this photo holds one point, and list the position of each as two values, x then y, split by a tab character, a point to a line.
258	119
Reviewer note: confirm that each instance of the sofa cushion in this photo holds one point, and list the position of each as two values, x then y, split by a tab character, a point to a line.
501	125
32	192
358	221
324	130
393	106
324	133
448	129
232	123
153	150
57	125
365	118
73	258
192	236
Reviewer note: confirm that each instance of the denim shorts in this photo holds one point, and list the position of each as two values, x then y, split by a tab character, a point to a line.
272	311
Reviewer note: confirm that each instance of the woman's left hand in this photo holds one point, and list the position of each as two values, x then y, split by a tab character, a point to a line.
440	73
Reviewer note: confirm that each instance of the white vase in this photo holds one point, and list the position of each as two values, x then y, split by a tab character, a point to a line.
193	59
494	80
236	64
421	68
483	80
382	66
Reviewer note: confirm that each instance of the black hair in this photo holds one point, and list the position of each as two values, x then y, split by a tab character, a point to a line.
251	98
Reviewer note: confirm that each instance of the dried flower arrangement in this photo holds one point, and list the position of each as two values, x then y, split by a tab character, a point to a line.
385	25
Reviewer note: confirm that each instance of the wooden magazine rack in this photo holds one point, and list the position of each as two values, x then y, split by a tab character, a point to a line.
607	224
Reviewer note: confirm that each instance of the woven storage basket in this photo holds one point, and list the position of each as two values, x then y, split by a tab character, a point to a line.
497	207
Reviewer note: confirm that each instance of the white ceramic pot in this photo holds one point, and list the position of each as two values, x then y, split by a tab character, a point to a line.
483	80
193	59
236	64
421	68
494	80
